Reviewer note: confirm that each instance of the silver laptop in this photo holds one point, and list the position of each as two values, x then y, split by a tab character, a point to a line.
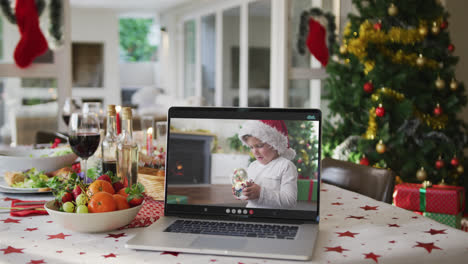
240	182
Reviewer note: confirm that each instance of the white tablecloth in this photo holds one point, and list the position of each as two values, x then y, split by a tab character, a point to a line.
353	229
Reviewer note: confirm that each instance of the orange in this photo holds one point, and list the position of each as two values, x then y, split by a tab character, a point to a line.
102	202
100	186
121	201
122	192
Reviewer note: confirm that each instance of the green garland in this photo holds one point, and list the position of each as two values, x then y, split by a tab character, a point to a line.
303	29
55	14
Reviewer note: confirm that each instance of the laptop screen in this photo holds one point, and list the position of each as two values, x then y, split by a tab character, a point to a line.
243	162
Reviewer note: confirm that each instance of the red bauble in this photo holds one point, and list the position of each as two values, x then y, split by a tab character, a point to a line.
380	111
444	25
454	161
299	161
439	164
437	111
364	161
368	87
451	47
378	26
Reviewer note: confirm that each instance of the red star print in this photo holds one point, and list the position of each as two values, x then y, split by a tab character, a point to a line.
393	225
36	261
395	218
213	260
338	249
111	255
31	229
373	256
435	232
337	203
9	220
170	253
9	250
428	246
356	217
58	236
116	235
324	190
393	241
82	253
59	251
346	234
415	217
367	208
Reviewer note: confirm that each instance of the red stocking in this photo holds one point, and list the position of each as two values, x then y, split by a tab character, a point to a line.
32	42
316	42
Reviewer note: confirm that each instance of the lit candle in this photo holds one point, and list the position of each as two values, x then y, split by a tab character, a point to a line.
149	141
117	118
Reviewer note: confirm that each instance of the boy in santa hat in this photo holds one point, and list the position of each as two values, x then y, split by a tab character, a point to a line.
272	176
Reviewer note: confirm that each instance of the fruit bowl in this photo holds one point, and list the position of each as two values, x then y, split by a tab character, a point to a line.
92	222
18	159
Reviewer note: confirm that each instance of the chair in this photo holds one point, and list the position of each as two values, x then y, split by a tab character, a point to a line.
46	137
369	181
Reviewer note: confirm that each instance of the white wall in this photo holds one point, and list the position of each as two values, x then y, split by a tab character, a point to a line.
99	26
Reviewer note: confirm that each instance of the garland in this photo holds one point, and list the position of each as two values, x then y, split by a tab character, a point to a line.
55	15
303	29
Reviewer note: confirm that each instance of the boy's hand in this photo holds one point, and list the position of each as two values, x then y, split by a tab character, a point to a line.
252	191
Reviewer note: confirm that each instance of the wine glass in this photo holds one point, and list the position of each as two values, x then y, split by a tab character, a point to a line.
84	136
94	107
70	105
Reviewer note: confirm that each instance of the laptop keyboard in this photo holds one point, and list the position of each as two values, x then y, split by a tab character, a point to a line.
233	229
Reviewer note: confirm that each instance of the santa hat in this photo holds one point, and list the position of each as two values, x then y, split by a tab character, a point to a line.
272	132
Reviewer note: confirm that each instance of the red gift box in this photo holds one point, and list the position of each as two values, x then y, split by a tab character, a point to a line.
440	199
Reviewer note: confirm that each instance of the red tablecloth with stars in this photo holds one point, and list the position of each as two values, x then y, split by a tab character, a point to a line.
353	229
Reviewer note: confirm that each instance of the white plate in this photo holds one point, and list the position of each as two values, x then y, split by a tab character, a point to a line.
5	188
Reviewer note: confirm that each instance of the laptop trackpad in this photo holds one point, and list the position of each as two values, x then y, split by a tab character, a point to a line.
219	243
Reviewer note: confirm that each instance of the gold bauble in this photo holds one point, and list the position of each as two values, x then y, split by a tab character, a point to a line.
421	174
426	184
460	169
435	29
420	60
343	49
453	85
380	147
422	31
392	10
375	97
442	182
439	83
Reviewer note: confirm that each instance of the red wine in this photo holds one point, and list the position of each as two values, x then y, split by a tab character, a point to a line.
66	119
109	166
84	144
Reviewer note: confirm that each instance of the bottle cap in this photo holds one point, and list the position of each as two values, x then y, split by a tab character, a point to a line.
111	110
127	113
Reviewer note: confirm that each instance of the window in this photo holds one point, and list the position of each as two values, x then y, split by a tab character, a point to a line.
138	38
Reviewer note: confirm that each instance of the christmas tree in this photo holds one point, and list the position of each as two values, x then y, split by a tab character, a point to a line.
304	140
393	93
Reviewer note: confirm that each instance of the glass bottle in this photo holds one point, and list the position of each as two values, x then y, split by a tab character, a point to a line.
127	151
109	144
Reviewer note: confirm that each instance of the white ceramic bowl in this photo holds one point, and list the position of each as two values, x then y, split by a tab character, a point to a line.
92	222
20	159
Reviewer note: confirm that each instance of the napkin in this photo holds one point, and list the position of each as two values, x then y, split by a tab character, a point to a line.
148	214
27	212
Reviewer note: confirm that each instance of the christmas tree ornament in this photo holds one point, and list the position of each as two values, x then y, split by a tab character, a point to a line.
437	110
303	126
439	83
368	87
454	162
239	179
421	174
426	184
392	10
375	97
299	160
460	169
378	26
380	111
435	29
420	61
439	164
422	30
380	147
444	24
442	182
343	49
451	47
364	161
453	85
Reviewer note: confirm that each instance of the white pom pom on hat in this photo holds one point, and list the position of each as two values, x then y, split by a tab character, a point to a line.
273	132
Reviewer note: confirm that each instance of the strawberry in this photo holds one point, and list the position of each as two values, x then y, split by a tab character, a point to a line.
77	191
67	197
135	201
135	194
105	177
117	186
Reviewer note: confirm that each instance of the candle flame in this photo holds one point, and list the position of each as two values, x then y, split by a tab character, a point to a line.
117	108
150	130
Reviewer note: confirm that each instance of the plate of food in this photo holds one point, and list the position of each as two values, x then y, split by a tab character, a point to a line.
30	181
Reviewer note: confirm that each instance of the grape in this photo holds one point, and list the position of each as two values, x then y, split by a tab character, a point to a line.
81	199
69	207
82	209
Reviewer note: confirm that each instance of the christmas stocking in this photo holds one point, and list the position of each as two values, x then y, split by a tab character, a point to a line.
316	42
32	42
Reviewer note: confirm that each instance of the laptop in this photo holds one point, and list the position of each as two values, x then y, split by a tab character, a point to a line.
239	182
